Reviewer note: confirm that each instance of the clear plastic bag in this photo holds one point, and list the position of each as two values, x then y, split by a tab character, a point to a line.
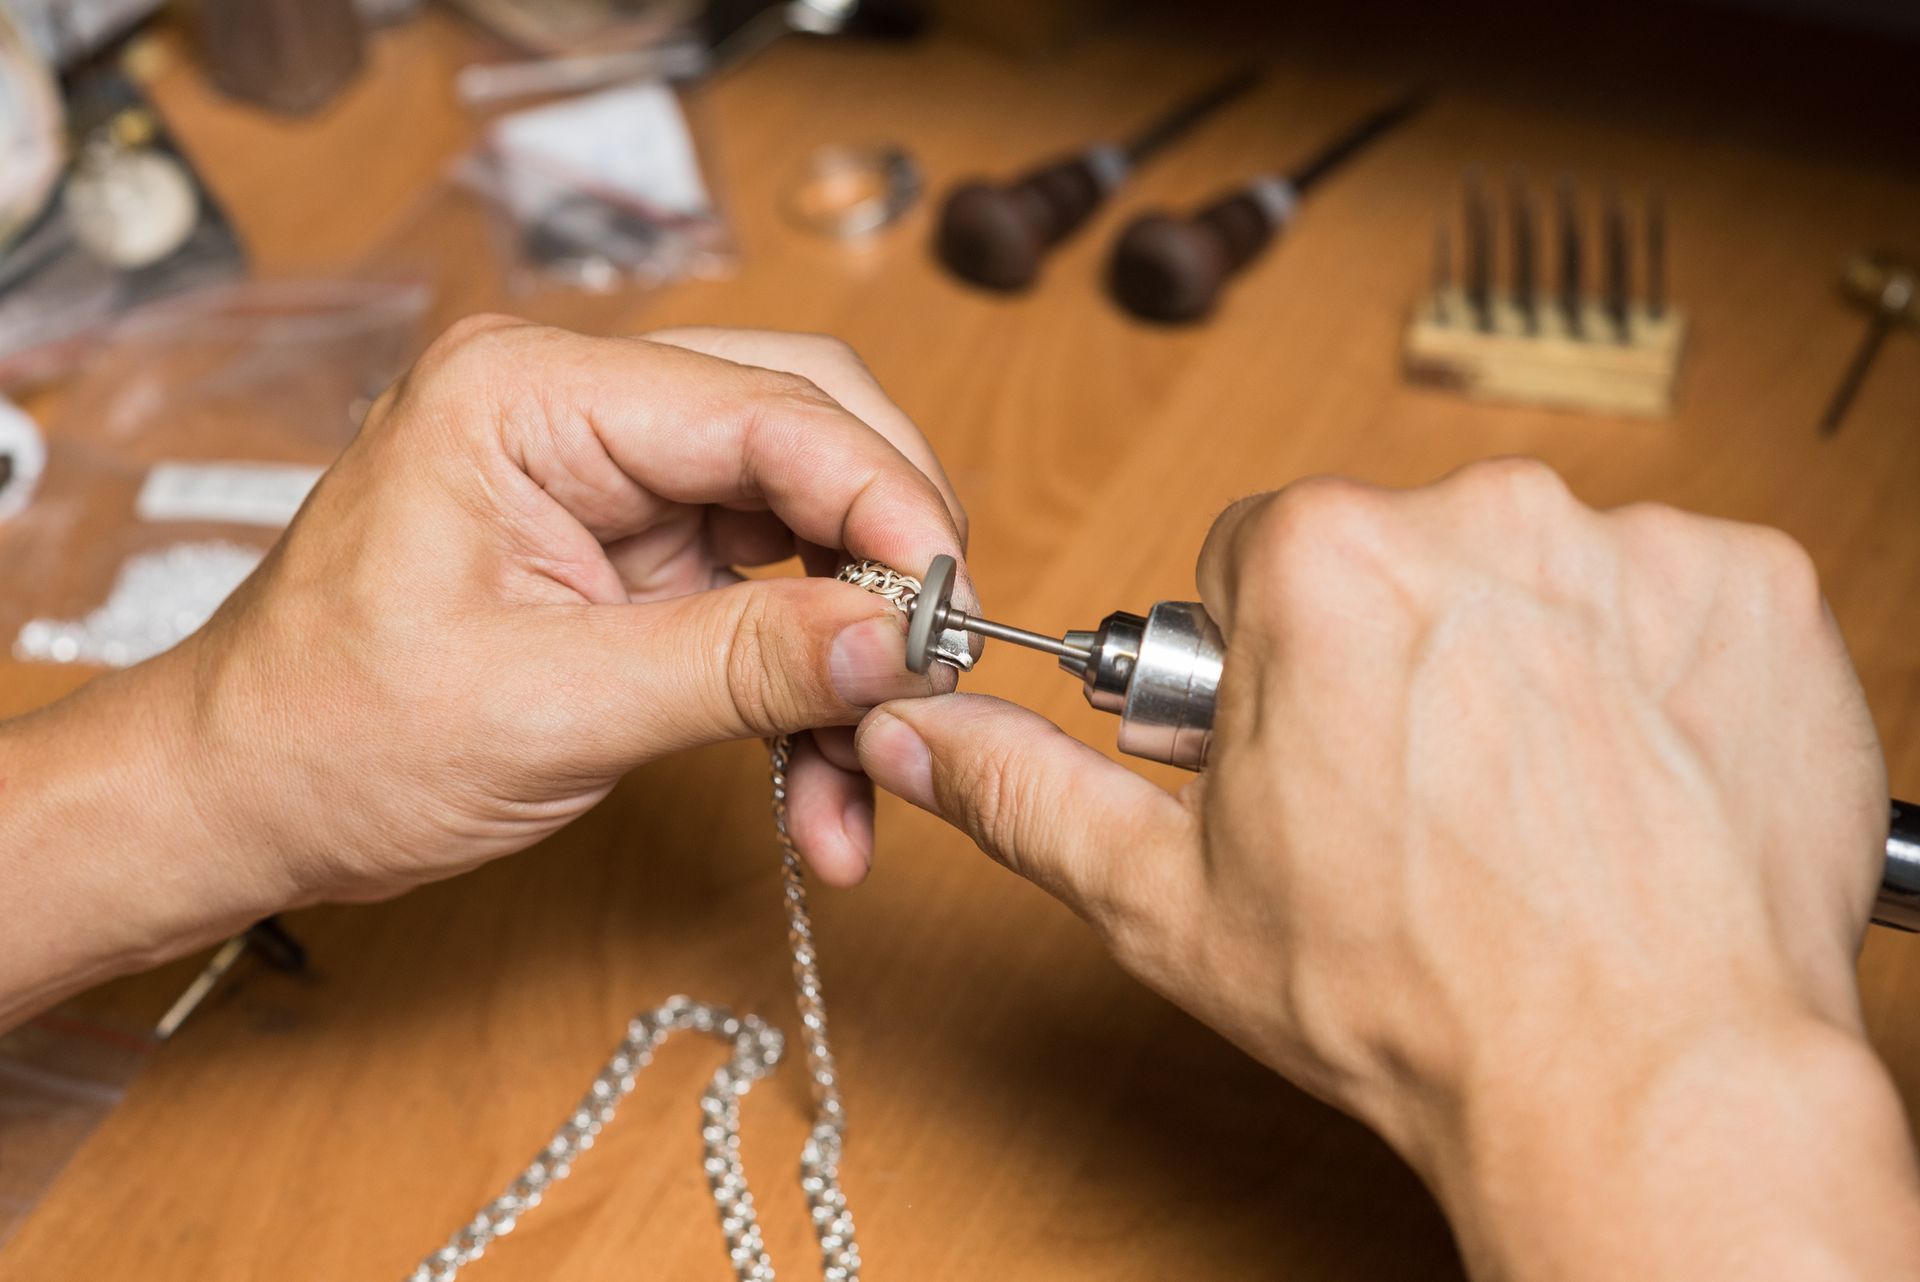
601	191
182	451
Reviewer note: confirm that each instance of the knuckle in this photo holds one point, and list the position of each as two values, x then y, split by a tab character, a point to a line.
1001	816
1783	567
1517	483
1309	523
756	693
825	349
478	335
782	388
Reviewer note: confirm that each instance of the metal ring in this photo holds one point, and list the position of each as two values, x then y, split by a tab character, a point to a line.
846	192
936	593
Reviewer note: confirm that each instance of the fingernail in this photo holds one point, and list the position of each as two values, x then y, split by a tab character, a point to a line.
897	758
868	663
856	821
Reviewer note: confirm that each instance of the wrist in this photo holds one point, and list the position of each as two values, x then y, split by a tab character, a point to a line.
1763	1143
115	819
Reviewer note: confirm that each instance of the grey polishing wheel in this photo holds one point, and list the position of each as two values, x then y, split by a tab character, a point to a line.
936	592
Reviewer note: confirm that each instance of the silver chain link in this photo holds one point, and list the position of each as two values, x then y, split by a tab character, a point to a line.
757	1047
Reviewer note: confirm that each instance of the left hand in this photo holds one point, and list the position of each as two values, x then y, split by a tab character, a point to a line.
517	583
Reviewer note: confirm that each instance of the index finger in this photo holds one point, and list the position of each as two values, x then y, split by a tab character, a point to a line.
609	427
836	369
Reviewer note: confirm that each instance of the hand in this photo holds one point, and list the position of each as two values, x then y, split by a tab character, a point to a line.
1525	827
515	585
518	583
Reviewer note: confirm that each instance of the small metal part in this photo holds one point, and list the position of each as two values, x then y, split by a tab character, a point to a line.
1614	221
849	192
196	992
1175	679
1478	268
1890	289
1898	904
1160	673
1525	287
1572	300
936	632
1656	255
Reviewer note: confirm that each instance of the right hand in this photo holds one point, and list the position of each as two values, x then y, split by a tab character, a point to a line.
1502	788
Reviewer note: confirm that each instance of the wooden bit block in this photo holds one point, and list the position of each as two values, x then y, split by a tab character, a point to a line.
1550	365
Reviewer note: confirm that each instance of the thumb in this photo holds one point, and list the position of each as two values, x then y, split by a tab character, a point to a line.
749	660
1111	845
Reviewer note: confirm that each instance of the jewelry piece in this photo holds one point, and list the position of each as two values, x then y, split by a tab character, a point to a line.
757	1048
848	192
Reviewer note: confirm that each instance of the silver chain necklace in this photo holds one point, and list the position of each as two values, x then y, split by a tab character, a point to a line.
757	1047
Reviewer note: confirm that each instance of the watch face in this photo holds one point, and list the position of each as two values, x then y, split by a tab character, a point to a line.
31	131
131	207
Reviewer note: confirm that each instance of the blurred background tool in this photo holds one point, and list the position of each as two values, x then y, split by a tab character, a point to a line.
1610	354
291	56
1889	288
995	235
1173	269
847	193
589	44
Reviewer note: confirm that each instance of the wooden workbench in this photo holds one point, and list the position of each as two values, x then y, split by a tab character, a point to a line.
1019	1108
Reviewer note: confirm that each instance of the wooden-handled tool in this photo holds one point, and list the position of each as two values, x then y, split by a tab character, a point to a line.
1172	269
996	234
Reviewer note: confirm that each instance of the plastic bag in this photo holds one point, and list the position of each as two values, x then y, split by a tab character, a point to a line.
601	191
183	451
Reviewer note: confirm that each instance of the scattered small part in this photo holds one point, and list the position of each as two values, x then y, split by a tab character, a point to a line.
1889	288
850	192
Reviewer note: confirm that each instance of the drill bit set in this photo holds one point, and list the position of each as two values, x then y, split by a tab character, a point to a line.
1561	342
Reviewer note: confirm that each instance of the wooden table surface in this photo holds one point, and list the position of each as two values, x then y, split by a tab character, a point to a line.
1019	1108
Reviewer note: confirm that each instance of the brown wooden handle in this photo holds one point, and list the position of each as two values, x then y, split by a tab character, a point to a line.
996	235
1173	269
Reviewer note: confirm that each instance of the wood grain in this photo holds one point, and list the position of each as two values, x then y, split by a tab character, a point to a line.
1018	1107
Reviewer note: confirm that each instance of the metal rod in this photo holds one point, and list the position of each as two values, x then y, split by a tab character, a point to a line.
1004	632
1877	331
1184	116
1342	148
1656	255
1614	223
1525	290
1572	304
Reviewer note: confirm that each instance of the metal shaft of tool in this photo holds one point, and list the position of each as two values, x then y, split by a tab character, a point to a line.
1184	116
952	618
1572	302
1656	255
1863	358
1525	288
1478	267
1342	148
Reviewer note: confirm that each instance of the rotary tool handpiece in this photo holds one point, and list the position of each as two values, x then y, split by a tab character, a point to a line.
1161	675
